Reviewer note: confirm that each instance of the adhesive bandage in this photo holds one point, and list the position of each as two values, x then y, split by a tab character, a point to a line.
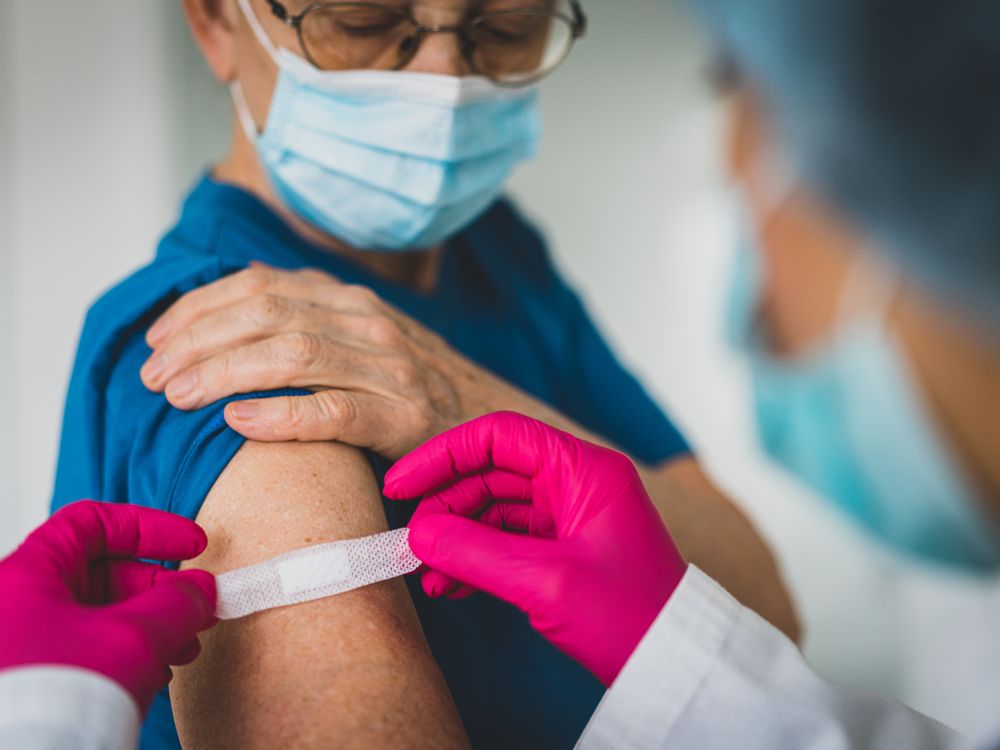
314	573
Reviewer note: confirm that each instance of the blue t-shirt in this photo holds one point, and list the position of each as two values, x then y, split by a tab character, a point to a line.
499	301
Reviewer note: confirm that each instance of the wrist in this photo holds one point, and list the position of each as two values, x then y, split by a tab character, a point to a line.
642	619
481	393
484	393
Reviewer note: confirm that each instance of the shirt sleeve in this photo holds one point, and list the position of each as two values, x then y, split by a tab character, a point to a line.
60	708
609	400
123	443
161	456
712	674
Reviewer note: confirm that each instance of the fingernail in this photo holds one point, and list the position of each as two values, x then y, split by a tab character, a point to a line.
243	411
200	542
205	581
432	589
418	537
182	387
390	487
157	332
155	367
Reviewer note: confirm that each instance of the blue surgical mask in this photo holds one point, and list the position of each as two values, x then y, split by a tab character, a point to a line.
851	422
388	160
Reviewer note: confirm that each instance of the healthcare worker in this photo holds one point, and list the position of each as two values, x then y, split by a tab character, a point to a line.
873	126
564	530
88	632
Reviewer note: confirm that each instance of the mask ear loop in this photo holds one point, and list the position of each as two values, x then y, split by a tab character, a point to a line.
243	112
247	121
776	183
258	29
870	288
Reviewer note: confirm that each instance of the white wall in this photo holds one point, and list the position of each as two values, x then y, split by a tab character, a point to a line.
92	164
8	440
110	113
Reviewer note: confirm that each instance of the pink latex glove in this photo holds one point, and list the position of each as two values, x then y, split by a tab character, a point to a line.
558	527
72	595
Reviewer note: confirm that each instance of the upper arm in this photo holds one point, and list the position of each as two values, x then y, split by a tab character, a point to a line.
353	670
699	515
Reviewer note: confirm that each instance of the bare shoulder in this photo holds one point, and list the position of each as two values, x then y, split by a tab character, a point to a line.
349	671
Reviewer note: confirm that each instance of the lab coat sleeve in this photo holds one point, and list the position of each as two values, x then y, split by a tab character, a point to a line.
62	708
712	674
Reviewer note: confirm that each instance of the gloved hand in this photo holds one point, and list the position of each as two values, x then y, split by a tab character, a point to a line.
556	526
72	595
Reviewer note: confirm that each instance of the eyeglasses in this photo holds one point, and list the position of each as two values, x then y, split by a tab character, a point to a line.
513	47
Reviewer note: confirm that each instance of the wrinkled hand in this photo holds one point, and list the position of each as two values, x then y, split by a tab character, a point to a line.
560	528
381	380
72	594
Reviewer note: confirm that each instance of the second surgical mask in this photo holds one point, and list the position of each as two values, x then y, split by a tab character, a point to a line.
850	420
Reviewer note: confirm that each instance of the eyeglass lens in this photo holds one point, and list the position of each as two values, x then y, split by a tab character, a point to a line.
510	46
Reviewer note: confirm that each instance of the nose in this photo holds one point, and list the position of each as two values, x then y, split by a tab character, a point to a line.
441	53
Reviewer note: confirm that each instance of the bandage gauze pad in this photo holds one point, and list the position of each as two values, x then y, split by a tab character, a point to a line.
314	573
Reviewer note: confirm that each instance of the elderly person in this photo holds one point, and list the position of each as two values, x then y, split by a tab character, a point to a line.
371	144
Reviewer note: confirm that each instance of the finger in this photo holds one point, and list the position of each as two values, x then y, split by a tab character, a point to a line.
471	495
504	440
505	565
462	592
436	584
512	517
293	339
188	653
349	417
229	290
244	322
287	360
305	285
515	517
85	531
174	610
112	581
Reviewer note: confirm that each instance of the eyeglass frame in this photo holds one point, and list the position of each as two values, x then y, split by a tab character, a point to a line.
579	24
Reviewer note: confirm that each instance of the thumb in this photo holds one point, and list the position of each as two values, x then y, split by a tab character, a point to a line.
325	415
172	611
509	566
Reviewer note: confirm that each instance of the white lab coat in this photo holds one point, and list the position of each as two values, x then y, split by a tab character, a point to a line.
62	708
712	674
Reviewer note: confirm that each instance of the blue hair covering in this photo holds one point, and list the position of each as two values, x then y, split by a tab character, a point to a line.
891	110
